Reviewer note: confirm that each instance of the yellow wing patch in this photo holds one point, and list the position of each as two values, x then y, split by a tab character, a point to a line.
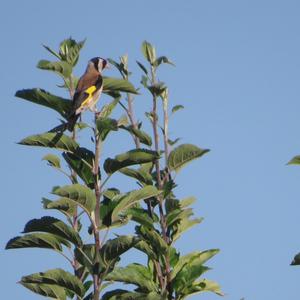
90	92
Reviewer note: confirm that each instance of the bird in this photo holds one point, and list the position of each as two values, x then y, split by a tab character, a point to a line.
88	90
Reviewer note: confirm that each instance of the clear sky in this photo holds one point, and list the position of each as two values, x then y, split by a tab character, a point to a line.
237	74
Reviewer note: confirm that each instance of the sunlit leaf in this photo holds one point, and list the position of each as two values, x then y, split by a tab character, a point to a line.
184	154
78	193
134	274
127	200
53	160
295	160
64	205
149	52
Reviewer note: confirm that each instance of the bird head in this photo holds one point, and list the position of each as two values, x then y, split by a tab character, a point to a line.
98	63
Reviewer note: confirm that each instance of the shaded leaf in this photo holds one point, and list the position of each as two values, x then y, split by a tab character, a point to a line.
140	134
81	161
44	98
51	140
142	67
36	240
184	154
105	125
295	160
53	226
80	194
52	51
296	260
176	108
56	277
142	217
53	160
47	290
162	59
132	157
60	67
69	50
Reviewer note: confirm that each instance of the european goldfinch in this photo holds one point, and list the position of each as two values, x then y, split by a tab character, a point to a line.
88	91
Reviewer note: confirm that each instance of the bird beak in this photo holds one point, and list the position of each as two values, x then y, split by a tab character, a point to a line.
108	66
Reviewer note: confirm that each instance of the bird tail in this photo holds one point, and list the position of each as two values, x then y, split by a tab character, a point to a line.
72	121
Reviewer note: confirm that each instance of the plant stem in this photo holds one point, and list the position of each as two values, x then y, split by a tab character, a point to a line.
97	187
167	283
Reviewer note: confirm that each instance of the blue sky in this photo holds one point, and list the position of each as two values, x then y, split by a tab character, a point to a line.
237	74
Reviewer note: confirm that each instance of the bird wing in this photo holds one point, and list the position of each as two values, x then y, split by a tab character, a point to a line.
87	86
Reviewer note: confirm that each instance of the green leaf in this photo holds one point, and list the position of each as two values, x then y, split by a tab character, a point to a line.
140	134
202	286
111	84
141	175
295	160
69	50
36	240
142	217
199	257
134	274
78	193
114	248
47	290
105	125
120	294
60	67
64	205
172	143
53	226
128	200
157	88
81	162
154	239
53	160
184	154
145	248
176	108
132	157
51	140
149	52
86	256
44	98
107	109
56	277
178	215
183	226
162	59
52	52
296	260
142	67
187	201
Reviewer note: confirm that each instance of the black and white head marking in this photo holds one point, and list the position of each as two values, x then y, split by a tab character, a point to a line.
99	63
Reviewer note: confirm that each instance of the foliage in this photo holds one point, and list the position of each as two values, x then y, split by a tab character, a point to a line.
89	204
